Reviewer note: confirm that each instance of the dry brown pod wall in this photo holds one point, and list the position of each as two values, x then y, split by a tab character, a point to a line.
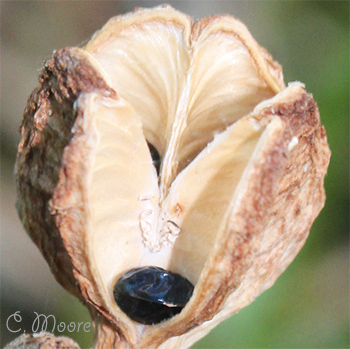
243	158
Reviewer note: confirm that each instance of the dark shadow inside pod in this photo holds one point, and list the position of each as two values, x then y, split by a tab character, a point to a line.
155	157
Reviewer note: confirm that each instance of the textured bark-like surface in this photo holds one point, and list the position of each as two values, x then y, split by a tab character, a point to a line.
300	195
46	130
42	340
107	337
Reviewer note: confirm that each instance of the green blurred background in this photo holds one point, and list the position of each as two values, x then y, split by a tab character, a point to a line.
308	307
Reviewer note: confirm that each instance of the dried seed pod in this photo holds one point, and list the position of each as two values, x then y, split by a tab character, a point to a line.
241	179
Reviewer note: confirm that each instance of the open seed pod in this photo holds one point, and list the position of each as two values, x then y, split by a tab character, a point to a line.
164	143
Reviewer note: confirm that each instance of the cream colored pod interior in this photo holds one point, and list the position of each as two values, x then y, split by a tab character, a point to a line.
241	178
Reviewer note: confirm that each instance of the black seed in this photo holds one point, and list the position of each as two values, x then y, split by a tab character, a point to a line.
150	295
155	157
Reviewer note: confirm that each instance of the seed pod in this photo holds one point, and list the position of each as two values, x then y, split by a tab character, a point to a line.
241	180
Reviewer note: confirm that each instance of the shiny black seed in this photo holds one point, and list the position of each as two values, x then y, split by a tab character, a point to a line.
155	157
150	295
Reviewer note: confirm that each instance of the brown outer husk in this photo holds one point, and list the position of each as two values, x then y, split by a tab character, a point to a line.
43	161
51	168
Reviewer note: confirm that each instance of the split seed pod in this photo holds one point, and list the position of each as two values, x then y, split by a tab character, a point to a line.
241	161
